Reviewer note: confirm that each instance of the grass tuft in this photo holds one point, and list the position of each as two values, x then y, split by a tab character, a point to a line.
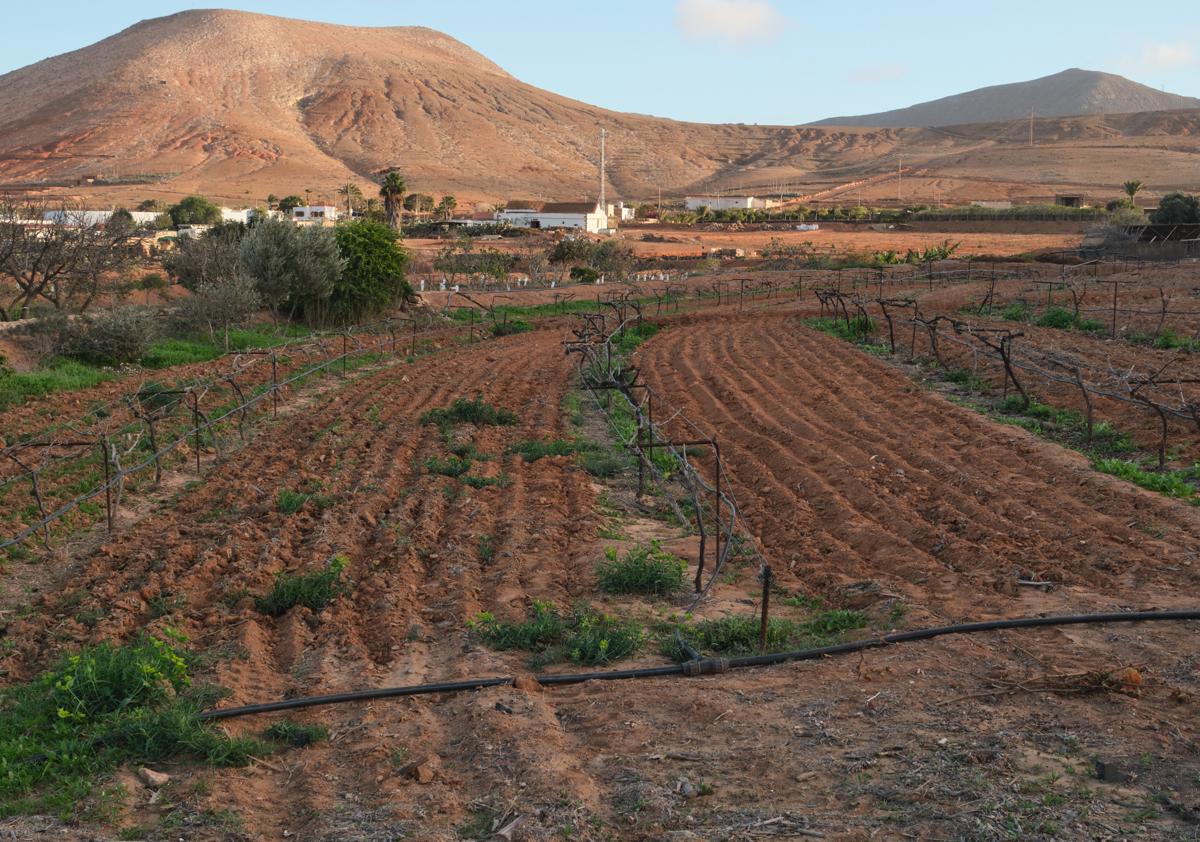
312	590
475	411
646	569
584	636
738	634
295	734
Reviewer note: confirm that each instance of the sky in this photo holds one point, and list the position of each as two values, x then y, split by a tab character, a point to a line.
737	61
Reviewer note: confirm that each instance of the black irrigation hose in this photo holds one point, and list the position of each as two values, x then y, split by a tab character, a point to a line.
708	665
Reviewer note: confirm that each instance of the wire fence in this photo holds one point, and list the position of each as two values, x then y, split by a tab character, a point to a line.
127	442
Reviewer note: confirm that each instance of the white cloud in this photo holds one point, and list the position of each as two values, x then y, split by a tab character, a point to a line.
870	74
1167	56
735	22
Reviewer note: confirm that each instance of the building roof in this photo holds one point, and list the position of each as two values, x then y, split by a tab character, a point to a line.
570	207
523	205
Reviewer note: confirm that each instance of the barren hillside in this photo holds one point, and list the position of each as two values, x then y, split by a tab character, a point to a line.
239	105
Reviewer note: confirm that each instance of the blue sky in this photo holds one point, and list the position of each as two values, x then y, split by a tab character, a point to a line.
752	61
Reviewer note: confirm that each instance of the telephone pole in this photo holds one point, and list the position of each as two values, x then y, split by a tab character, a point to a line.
603	202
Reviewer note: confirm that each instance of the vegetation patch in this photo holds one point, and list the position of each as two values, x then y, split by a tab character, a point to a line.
289	502
582	636
647	569
531	451
295	734
1178	484
739	634
475	411
60	375
858	329
312	590
97	709
451	466
508	327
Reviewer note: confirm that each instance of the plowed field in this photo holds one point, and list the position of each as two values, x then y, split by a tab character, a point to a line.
855	484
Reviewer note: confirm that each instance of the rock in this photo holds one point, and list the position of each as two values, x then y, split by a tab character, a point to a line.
425	773
684	787
503	708
153	779
1111	773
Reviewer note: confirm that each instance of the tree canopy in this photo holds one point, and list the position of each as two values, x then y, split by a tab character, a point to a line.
195	210
1176	209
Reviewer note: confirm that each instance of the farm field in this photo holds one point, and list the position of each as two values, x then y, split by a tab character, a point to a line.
866	493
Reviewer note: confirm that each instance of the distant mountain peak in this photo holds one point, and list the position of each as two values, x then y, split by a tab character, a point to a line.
1068	93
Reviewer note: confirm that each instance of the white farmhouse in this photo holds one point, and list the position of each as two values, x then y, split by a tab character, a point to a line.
314	214
587	216
718	203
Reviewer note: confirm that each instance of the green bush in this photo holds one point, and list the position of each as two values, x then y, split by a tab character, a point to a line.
110	337
602	462
475	411
646	569
1018	311
96	709
510	326
531	451
584	636
372	281
312	590
738	634
1058	317
451	466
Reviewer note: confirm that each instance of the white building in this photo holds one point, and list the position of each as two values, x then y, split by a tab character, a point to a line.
588	216
622	212
88	218
728	203
315	214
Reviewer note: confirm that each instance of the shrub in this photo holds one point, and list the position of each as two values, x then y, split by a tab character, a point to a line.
195	210
372	281
531	451
218	307
738	634
475	411
452	466
1171	483
98	708
647	569
584	636
1018	311
312	590
1057	317
110	337
510	326
602	463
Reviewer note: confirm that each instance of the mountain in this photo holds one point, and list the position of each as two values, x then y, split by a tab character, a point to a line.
1069	93
237	105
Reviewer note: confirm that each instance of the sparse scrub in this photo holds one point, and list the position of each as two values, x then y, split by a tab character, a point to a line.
451	466
295	734
475	411
738	634
501	480
583	636
646	569
312	590
531	451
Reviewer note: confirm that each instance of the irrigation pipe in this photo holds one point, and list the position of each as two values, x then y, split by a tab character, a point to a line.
706	666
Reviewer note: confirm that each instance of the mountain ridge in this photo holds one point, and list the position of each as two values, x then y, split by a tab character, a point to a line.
1070	93
237	105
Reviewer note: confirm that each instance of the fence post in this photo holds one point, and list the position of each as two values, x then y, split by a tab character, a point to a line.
274	385
108	512
766	608
196	428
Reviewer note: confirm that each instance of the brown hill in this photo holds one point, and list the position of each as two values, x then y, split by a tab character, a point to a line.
1069	93
239	105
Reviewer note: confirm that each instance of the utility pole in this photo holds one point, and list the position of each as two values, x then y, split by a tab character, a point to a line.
603	201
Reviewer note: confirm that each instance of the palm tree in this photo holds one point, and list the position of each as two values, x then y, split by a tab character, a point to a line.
391	190
447	206
1132	187
353	194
